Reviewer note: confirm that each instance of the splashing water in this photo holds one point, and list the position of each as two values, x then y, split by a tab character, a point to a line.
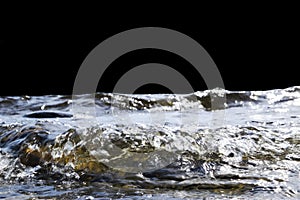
152	146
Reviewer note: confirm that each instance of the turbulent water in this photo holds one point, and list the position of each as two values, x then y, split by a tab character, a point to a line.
162	146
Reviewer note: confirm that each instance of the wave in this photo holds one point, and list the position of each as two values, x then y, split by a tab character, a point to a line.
255	149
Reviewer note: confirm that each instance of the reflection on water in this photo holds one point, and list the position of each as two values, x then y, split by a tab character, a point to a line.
152	146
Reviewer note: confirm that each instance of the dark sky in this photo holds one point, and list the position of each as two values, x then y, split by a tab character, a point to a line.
39	58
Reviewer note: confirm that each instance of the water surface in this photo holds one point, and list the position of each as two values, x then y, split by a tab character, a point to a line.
162	146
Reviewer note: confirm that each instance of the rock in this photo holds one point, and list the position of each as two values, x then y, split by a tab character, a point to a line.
48	114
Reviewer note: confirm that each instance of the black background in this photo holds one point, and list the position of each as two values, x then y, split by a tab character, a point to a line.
41	55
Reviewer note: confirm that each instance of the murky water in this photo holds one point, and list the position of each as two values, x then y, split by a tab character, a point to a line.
152	146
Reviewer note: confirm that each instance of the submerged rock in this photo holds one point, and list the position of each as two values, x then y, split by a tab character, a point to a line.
48	114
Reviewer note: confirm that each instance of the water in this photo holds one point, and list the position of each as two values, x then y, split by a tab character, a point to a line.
151	146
